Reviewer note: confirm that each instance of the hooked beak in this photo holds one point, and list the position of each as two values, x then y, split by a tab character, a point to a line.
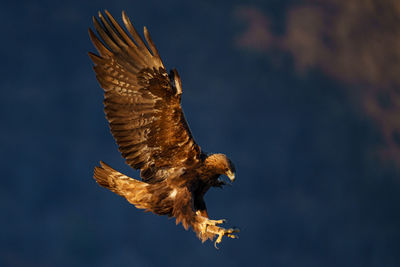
231	175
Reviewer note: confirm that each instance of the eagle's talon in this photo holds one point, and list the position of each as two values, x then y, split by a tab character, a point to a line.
230	233
219	239
225	232
232	236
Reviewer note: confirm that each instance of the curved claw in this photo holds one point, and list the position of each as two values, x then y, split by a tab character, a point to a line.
228	233
218	240
233	236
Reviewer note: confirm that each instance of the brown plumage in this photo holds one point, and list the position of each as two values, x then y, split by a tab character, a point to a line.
142	106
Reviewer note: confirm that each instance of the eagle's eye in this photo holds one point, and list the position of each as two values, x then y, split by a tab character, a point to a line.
226	169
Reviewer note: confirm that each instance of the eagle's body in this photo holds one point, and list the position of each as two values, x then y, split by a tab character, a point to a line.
142	105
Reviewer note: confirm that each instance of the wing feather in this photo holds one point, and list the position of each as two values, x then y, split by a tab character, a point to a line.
150	42
99	45
120	30
105	36
141	101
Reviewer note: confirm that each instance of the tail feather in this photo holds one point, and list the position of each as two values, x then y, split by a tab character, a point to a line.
133	190
101	175
107	177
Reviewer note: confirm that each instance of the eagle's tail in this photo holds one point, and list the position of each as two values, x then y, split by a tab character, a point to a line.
133	190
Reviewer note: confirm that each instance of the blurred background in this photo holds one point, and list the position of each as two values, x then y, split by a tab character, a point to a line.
304	97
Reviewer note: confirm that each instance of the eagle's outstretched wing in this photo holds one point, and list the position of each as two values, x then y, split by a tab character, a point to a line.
142	102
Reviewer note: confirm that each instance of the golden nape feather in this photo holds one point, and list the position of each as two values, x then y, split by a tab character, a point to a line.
142	103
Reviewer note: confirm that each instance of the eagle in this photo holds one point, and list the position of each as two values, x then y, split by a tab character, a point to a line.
142	103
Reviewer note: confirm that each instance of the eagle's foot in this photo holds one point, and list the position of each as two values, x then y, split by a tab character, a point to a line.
211	223
226	232
221	232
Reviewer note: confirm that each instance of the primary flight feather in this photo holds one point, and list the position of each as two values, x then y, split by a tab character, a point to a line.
142	106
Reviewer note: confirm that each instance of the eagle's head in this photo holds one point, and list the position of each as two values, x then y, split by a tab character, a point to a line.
220	164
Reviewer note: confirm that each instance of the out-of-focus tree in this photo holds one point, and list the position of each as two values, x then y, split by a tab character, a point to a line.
354	41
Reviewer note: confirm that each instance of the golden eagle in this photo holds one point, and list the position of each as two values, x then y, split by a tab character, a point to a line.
142	106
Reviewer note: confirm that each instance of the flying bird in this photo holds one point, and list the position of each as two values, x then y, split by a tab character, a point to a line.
142	103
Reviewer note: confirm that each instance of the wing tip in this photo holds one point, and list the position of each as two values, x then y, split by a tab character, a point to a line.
124	14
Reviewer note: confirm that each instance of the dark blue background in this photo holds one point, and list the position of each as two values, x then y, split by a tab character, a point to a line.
311	189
